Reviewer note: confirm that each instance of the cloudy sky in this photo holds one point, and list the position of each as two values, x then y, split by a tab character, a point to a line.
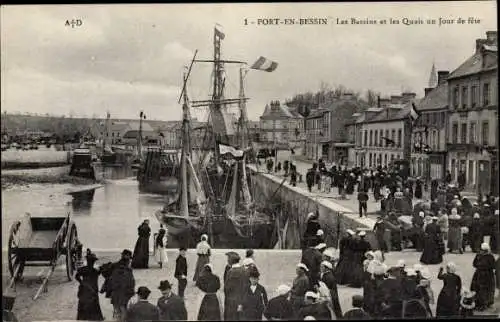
127	58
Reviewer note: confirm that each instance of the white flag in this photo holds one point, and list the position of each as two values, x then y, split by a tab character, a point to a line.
265	64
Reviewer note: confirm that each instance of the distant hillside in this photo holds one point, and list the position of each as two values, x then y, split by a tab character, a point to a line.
12	123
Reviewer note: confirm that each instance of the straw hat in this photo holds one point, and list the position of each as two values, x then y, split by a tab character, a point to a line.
283	289
327	264
303	266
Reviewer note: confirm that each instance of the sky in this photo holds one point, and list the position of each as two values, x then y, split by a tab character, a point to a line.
128	58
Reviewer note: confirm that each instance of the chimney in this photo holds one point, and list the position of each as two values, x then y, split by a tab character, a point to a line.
427	90
491	37
442	76
480	43
396	99
408	96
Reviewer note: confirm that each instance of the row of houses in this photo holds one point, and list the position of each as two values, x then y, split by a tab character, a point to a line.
456	130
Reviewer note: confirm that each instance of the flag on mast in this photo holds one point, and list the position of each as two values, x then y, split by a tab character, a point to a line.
414	113
264	64
219	31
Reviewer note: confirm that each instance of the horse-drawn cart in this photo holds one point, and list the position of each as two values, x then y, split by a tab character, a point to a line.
41	241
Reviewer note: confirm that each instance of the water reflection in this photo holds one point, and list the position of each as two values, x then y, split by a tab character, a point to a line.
81	203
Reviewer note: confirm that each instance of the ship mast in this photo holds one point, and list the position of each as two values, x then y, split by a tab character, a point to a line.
184	211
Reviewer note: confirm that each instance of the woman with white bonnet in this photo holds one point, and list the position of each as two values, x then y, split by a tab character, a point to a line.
455	231
342	271
203	252
209	284
433	244
373	291
328	278
279	307
424	290
476	236
448	302
483	280
161	247
329	255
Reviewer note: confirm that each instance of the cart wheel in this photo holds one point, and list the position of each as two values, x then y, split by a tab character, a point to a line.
71	251
14	261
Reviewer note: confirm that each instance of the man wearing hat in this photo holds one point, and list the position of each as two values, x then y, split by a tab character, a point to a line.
300	286
328	278
122	285
172	307
254	298
379	229
234	286
230	258
143	310
311	307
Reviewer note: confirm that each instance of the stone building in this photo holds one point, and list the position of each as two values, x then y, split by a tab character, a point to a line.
428	159
379	132
473	118
279	126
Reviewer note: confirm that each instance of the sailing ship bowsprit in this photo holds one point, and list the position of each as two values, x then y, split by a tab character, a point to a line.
229	215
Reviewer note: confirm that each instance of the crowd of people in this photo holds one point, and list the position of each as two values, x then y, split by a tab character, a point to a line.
445	222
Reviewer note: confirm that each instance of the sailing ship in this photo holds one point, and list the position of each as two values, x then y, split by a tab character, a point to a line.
187	211
224	167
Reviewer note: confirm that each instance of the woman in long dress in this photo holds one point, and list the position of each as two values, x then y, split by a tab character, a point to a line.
140	258
161	247
483	280
203	252
455	231
448	303
89	308
209	283
433	244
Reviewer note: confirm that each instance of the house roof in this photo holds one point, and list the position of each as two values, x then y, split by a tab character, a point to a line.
390	114
281	112
134	126
435	99
474	64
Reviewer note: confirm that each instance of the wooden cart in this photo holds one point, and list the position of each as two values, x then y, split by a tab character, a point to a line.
41	241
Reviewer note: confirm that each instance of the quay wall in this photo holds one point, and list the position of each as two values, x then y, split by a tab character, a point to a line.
294	203
34	159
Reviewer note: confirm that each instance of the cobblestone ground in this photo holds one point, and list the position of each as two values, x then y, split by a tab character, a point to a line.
277	267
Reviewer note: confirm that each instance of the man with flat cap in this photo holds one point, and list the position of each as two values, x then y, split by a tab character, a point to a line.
171	306
235	285
122	285
143	310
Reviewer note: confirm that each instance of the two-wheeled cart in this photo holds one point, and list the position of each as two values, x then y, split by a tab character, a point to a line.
41	241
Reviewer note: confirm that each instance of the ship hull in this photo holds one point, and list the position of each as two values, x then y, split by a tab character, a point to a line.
177	225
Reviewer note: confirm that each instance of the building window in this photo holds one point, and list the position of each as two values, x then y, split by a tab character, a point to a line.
392	157
381	141
485	132
455	97
375	140
370	160
453	169
473	96
434	140
400	137
443	119
386	136
371	138
486	94
454	133
463	133
433	118
393	135
472	133
464	97
470	172
385	159
366	138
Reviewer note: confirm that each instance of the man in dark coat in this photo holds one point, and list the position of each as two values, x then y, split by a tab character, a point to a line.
476	233
357	312
312	227
379	230
143	310
234	287
230	257
171	306
181	271
254	298
391	294
363	203
310	177
279	307
122	285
